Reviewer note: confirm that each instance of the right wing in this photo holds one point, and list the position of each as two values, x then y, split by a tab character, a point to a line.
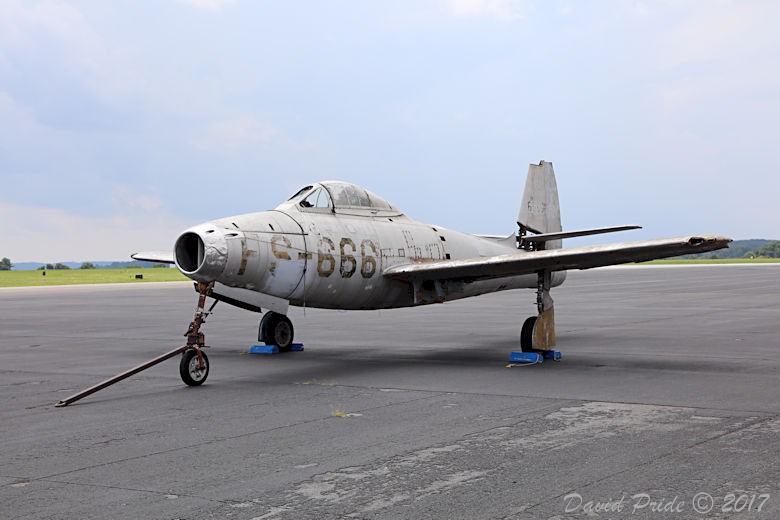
161	257
587	257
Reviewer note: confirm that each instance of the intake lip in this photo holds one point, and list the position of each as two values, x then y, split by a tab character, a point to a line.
201	252
189	252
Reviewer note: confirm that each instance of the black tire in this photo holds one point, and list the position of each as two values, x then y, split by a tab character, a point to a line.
262	330
277	329
189	369
280	332
527	335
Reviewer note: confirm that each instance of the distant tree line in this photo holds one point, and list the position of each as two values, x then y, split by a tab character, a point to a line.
768	250
7	265
52	267
744	249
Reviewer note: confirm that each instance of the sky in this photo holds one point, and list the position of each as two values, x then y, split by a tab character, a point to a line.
123	123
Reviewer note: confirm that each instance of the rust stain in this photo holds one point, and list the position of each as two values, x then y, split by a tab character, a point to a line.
368	265
324	257
348	261
280	254
544	330
246	254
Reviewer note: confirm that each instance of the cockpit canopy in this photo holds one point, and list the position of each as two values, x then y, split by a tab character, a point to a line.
342	197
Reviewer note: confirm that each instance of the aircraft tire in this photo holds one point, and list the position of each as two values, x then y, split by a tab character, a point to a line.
262	330
189	369
527	334
278	331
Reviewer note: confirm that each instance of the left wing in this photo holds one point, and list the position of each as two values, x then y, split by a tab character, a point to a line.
161	257
587	257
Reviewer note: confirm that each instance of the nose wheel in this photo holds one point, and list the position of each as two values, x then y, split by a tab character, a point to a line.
276	329
194	367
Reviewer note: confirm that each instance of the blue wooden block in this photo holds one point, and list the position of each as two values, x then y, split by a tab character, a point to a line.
264	349
525	357
273	349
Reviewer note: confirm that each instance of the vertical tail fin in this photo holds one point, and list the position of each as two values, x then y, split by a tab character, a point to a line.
540	211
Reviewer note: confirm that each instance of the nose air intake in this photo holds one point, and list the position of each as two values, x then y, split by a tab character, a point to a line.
189	252
201	252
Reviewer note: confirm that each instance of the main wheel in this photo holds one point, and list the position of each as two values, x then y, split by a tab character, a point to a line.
277	329
189	368
262	330
527	335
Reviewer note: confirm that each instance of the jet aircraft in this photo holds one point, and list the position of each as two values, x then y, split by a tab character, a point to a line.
336	245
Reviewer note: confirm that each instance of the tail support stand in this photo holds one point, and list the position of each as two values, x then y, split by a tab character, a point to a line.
195	341
544	328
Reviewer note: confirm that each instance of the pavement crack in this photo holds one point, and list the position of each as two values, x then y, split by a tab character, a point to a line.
635	467
136	490
230	437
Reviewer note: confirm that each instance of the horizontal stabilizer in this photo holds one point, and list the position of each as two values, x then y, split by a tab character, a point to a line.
544	237
529	262
161	257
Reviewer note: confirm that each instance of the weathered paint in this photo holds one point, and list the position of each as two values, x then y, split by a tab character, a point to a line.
364	256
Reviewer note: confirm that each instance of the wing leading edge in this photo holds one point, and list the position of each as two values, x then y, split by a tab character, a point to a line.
587	257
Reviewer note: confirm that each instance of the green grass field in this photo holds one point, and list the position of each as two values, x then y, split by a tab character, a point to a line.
88	276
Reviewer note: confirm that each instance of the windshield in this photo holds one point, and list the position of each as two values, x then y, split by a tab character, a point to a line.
318	198
300	193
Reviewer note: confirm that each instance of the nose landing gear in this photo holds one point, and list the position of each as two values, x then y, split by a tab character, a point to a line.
194	366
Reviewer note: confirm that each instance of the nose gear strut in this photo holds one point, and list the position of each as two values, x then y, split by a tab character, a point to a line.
194	366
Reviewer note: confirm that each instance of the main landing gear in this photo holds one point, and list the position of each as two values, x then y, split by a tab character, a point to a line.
538	332
537	337
276	329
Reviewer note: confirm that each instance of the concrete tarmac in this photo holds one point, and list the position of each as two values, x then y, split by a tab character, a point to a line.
665	405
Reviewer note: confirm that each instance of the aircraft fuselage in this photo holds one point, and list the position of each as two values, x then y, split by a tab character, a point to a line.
320	258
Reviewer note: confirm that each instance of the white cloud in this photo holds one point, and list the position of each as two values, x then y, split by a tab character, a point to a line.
56	235
15	119
215	5
125	197
59	38
507	10
236	134
720	30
